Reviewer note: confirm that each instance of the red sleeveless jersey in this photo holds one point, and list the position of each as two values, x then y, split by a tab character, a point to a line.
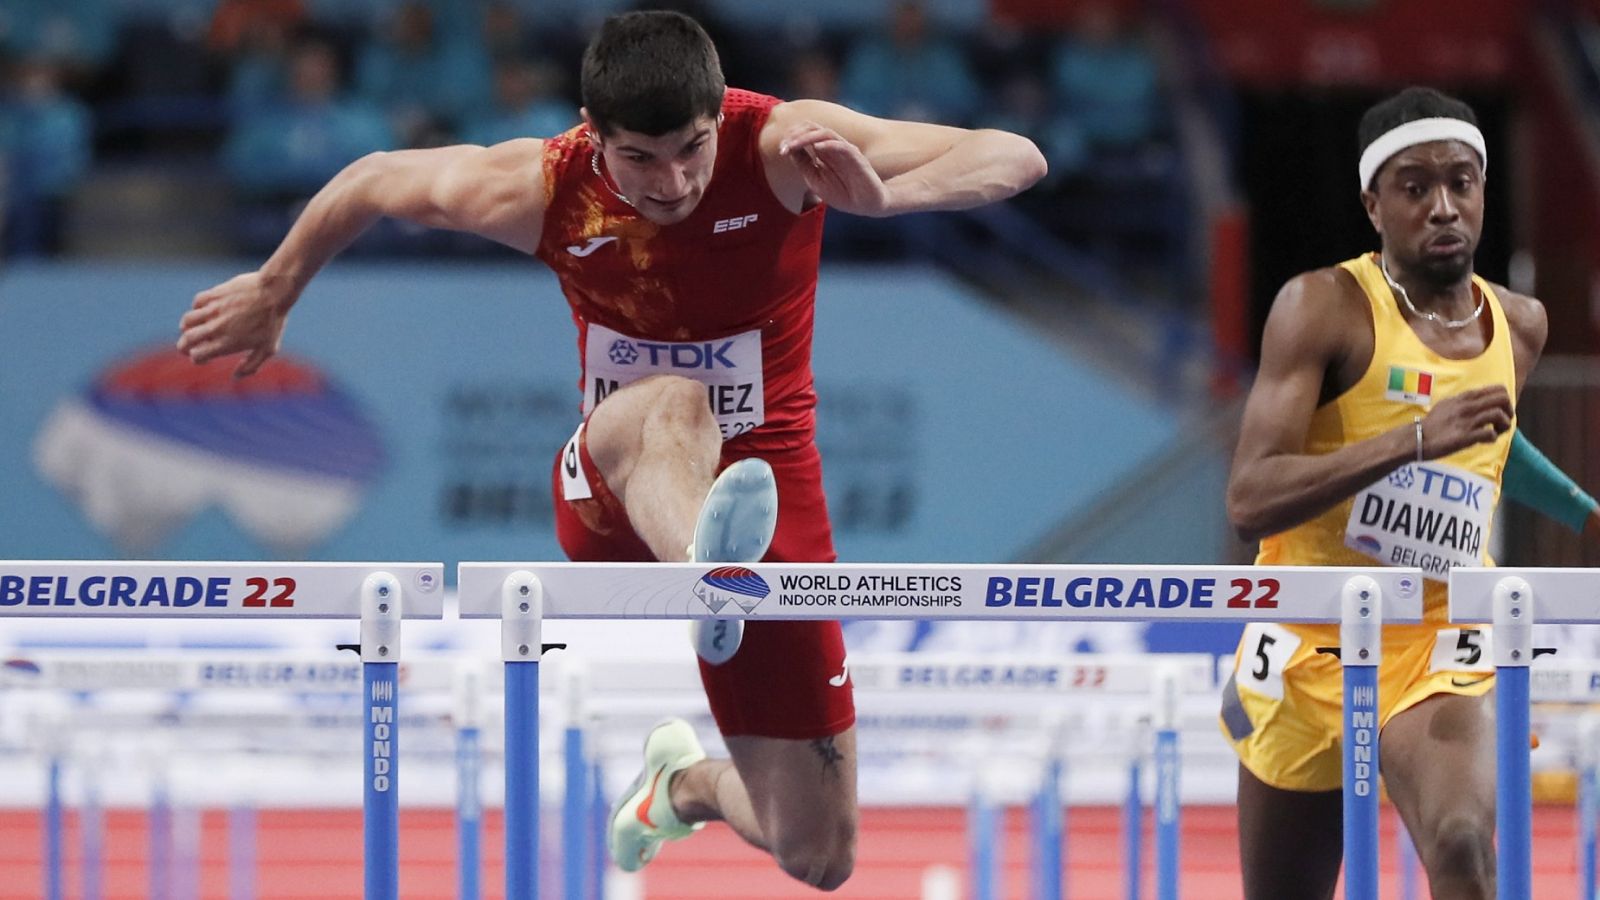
725	297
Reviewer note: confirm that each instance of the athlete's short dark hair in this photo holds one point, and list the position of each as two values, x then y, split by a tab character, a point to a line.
651	72
1409	105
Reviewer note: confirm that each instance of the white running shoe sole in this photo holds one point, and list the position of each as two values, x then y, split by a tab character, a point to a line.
736	525
739	515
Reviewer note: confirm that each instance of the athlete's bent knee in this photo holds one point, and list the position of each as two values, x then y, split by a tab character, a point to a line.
826	872
1463	850
681	402
823	864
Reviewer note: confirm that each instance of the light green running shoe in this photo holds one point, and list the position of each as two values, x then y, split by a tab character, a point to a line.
643	819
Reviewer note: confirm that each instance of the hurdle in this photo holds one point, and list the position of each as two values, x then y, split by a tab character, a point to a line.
949	683
1513	599
97	684
377	594
522	595
946	682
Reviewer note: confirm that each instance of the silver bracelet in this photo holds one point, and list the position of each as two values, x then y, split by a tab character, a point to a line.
1416	422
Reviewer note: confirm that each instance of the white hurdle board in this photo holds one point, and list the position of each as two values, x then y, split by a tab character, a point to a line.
1560	596
259	590
934	591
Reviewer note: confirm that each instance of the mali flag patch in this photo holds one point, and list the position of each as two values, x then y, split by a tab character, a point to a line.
1410	386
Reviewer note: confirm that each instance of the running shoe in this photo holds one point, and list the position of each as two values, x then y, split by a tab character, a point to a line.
643	819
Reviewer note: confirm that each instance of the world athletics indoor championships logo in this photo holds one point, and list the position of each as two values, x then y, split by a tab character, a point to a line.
731	584
156	440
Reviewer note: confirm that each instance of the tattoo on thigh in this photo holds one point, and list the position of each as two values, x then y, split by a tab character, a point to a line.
829	754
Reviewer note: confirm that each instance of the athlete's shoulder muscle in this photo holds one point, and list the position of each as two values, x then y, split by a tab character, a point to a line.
1530	327
1314	318
498	192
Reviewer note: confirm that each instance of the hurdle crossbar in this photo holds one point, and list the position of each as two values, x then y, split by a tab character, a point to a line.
378	594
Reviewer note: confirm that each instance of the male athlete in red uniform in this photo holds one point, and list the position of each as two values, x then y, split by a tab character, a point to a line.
684	221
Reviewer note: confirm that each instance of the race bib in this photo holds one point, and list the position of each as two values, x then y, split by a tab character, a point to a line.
1427	515
1266	649
729	367
574	481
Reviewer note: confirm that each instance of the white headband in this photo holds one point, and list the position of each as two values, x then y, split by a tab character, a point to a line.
1421	131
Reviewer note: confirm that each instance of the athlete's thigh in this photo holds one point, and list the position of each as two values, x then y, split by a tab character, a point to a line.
1438	762
803	792
1290	842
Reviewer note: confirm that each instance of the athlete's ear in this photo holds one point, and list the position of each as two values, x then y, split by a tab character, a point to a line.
588	121
1369	201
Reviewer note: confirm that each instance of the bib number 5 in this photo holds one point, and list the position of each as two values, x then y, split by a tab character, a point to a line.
1462	650
1264	654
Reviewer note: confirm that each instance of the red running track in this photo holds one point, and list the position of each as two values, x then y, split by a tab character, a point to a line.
316	853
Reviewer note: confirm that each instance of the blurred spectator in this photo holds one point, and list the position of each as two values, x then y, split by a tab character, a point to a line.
259	75
427	81
1106	81
813	76
909	74
45	137
1023	105
75	34
504	36
528	103
237	22
299	144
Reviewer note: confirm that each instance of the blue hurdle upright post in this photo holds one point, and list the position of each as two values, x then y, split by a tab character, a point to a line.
1513	652
54	829
242	851
598	808
1133	824
1588	803
1049	822
469	803
1169	828
186	853
380	652
983	842
91	837
1360	651
575	804
521	616
159	822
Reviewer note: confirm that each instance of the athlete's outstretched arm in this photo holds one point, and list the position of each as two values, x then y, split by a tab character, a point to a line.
496	192
884	167
1275	484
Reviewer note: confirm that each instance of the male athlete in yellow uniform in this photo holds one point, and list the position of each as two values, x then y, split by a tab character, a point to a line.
1377	433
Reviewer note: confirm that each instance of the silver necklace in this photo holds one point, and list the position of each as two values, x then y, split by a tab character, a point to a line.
594	163
1383	263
